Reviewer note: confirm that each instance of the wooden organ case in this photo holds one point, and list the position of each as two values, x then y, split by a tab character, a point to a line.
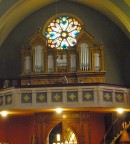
82	63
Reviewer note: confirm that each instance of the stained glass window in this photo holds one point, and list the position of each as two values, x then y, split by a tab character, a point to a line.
61	32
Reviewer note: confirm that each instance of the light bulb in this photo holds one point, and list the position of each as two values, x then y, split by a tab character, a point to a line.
120	110
4	113
59	110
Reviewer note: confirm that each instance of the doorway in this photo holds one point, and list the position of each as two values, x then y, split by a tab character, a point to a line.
62	134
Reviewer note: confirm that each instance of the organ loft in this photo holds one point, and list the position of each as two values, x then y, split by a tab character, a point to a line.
64	53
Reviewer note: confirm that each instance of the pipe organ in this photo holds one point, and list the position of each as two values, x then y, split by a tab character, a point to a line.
82	63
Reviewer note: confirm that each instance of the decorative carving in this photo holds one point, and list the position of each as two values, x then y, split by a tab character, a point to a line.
78	122
83	63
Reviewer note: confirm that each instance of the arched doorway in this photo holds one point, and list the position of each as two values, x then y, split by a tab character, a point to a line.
65	128
62	134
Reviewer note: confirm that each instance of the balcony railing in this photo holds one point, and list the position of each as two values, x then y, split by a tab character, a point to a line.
64	95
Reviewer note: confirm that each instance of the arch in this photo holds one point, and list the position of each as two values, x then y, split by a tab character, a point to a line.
50	127
66	132
58	15
73	130
23	8
57	129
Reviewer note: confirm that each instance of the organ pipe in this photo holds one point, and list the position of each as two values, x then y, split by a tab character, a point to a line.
96	61
84	64
38	59
27	64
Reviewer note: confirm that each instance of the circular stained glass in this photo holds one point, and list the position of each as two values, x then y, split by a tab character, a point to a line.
61	32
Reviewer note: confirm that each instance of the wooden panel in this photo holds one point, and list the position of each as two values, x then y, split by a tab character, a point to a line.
78	122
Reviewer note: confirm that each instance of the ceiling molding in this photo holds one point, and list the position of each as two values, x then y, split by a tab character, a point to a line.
127	2
23	8
109	9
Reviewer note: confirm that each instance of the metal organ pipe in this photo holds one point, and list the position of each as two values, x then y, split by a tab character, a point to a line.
87	60
38	59
96	61
81	63
84	64
73	62
50	63
85	57
27	64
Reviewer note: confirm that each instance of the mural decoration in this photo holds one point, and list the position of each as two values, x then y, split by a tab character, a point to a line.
72	96
41	97
26	98
119	97
56	96
107	96
87	96
8	99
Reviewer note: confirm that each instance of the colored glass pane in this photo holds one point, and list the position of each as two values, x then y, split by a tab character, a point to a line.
61	32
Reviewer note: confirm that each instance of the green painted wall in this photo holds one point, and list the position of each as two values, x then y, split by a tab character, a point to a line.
103	29
5	5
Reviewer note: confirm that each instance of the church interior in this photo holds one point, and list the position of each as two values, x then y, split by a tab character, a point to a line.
64	76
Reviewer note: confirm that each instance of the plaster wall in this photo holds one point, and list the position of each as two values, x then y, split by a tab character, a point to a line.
115	41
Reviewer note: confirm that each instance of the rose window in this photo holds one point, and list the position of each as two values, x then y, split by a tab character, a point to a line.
61	33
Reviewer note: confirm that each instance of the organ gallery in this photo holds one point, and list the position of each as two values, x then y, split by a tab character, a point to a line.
62	52
64	72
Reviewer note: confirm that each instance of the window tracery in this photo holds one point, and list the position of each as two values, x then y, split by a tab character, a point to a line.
62	31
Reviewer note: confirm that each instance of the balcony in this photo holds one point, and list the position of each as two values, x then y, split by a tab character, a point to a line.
68	96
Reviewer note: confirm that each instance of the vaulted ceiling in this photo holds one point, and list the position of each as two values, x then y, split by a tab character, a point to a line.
14	11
